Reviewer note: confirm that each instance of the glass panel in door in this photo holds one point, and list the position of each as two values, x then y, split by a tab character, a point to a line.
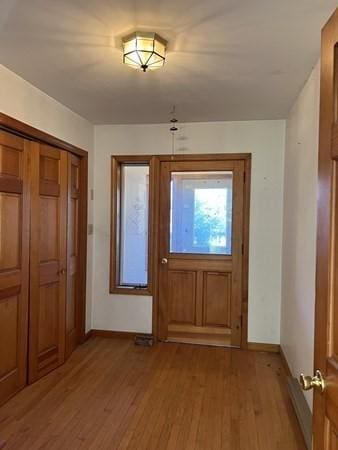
201	212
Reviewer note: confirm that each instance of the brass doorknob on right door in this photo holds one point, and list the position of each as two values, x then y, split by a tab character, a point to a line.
164	261
316	382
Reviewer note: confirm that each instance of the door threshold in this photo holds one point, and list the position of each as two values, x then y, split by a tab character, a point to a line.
192	341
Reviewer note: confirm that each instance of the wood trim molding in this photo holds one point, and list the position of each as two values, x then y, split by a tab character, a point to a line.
115	200
246	241
262	347
27	131
111	334
206	157
83	216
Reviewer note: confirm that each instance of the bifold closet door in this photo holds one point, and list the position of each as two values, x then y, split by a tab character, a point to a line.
48	259
14	263
73	224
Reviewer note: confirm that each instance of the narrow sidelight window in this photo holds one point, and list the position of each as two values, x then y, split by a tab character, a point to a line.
134	213
130	255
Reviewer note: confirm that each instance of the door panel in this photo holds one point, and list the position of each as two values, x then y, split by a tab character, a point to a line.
14	263
48	316
72	300
217	299
182	297
48	260
49	228
8	333
10	226
201	241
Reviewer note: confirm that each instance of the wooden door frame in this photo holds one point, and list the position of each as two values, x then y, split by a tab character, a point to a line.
328	152
28	132
246	158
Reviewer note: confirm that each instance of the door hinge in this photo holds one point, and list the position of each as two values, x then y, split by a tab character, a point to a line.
244	177
242	249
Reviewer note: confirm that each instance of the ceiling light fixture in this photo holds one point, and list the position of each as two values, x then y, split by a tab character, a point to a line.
144	50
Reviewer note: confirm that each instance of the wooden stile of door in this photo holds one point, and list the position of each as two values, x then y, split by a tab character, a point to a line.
325	412
48	259
72	298
200	276
14	263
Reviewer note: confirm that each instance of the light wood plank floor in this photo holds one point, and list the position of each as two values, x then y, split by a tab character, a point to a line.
114	395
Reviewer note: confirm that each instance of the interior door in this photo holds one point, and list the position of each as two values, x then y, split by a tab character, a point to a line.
72	297
201	246
48	260
325	418
14	263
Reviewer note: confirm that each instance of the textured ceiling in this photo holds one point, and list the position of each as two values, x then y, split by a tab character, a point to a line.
227	59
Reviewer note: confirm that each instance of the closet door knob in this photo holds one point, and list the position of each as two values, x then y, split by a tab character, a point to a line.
62	272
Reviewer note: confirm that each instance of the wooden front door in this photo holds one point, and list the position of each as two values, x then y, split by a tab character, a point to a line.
325	418
14	263
48	259
201	251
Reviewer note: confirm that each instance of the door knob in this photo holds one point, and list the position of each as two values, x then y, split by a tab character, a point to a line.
317	382
62	271
164	261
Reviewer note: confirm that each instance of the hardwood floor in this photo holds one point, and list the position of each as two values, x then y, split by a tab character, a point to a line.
114	395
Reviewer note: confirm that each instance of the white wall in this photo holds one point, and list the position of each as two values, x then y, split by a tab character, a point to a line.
28	104
265	140
299	236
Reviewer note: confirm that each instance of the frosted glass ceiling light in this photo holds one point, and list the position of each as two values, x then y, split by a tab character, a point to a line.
143	50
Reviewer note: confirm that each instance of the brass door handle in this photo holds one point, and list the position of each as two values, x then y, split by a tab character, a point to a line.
316	382
62	272
164	261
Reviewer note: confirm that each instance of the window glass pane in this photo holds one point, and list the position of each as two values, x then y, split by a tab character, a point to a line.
134	225
201	212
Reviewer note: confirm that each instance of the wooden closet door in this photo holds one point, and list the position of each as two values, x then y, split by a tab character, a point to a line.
48	260
14	263
73	292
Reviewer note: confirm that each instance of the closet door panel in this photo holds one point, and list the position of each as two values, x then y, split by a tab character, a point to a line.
48	260
14	263
72	302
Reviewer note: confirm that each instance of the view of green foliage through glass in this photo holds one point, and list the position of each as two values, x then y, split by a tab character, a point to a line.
201	212
212	220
